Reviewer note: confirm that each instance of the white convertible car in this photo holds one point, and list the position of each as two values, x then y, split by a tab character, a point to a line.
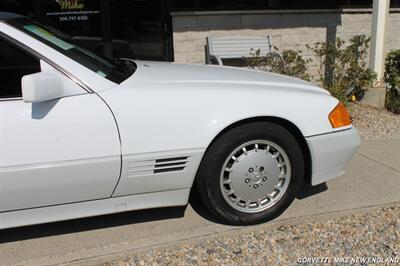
81	135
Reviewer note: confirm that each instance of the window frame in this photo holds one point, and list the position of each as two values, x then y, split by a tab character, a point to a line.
12	42
43	58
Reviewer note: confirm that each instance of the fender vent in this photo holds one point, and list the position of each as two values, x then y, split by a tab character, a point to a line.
170	164
148	167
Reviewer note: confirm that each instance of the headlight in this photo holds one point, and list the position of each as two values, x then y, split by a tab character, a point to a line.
339	117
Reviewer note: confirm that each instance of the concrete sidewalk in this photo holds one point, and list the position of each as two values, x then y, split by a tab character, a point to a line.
372	179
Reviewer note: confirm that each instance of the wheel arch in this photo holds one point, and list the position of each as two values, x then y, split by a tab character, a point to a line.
288	125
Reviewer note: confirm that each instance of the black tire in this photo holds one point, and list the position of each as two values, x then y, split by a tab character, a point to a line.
207	180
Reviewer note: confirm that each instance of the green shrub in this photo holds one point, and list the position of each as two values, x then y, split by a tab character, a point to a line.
342	67
289	62
392	80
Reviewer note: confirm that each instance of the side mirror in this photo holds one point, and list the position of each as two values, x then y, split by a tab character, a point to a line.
41	87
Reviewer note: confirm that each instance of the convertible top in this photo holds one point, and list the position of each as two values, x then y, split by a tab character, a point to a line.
7	16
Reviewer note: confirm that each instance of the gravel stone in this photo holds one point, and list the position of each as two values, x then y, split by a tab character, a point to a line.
375	123
366	234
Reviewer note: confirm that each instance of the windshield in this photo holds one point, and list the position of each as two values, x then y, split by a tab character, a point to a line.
116	71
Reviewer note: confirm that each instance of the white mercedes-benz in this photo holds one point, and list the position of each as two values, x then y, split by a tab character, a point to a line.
81	135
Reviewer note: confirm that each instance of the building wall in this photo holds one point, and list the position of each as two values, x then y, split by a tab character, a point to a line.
288	29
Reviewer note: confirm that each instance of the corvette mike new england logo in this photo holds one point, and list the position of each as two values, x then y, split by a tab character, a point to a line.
72	10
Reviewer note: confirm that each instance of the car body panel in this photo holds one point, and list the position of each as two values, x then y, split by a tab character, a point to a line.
94	208
191	114
330	154
57	152
186	107
158	171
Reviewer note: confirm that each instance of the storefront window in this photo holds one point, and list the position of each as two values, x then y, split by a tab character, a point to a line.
77	18
17	6
113	28
140	29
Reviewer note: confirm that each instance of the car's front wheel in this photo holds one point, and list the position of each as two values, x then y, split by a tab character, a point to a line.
251	173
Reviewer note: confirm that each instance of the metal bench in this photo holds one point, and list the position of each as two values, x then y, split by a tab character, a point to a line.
219	48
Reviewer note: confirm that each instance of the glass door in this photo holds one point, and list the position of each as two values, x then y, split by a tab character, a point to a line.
144	26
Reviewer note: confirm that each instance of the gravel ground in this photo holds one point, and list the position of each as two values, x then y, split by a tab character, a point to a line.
374	234
374	123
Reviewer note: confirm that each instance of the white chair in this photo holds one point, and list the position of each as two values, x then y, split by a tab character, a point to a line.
220	48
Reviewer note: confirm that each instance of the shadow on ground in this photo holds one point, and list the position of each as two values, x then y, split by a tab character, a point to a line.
309	191
89	224
305	192
127	218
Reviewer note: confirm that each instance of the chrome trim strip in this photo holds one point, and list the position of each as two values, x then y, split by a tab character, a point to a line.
68	75
11	99
63	163
331	132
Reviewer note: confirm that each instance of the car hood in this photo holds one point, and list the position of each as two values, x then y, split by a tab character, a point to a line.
190	75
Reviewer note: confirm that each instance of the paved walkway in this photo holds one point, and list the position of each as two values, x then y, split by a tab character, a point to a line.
372	179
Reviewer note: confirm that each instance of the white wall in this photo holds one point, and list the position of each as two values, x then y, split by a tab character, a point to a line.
289	29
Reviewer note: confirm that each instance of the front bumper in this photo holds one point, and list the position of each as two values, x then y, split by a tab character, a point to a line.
331	152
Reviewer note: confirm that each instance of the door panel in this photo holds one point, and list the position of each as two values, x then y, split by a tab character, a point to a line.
57	152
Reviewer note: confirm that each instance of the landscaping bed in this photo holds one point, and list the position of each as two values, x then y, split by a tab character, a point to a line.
375	123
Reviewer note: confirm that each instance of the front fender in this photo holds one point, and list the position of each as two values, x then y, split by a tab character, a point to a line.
155	119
